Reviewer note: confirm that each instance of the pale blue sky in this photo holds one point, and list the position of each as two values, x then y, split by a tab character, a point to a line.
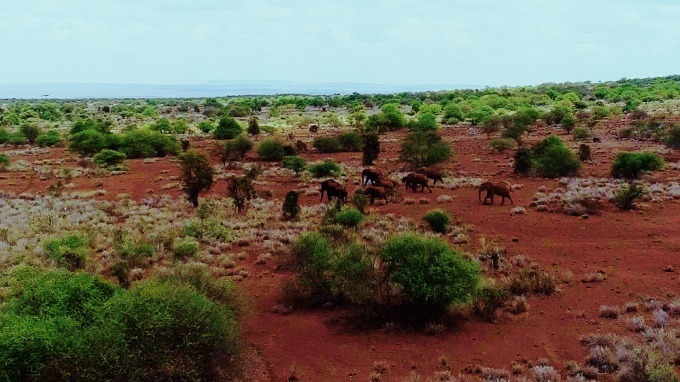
476	42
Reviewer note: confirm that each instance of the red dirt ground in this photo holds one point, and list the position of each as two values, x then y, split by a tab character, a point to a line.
632	248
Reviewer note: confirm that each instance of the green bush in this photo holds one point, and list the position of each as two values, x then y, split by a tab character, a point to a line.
108	158
672	139
184	248
135	253
325	168
227	128
438	220
581	133
632	164
4	135
206	127
30	132
144	143
552	158
4	161
490	298
327	144
584	152
314	255
271	149
424	148
89	142
68	252
371	148
48	139
57	325
360	200
349	217
253	126
625	197
502	144
350	141
206	228
294	163
102	126
428	272
17	139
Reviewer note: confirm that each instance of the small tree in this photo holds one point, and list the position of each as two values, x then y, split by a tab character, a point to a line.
583	152
30	132
253	126
522	161
424	148
568	122
241	190
626	196
294	163
371	143
491	125
291	206
197	175
271	149
227	128
438	220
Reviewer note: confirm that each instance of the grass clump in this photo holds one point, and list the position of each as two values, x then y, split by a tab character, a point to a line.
438	220
68	252
632	164
184	248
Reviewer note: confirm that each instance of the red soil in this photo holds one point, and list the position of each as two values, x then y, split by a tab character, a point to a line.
632	248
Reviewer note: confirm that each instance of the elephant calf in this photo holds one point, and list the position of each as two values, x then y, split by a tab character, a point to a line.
501	189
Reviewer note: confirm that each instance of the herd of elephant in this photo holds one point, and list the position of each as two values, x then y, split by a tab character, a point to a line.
381	187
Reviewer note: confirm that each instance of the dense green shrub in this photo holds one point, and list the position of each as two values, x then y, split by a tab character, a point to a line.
552	158
89	142
253	126
108	158
632	164
4	135
69	252
350	141
672	138
327	144
4	161
581	133
17	139
325	168
135	253
452	114
206	127
522	163
371	148
424	148
48	139
227	128
184	248
583	152
144	143
56	325
428	272
502	144
271	149
568	123
438	220
389	118
625	197
206	228
30	132
349	217
102	126
424	122
294	163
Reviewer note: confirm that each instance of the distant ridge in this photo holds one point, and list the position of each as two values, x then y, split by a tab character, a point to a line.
210	89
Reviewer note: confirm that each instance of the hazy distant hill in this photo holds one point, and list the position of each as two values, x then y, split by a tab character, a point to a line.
212	89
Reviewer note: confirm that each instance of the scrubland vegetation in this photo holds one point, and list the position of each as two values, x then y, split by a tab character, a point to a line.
141	284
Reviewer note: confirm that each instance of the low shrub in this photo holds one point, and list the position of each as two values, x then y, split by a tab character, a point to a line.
271	149
584	152
438	220
673	137
291	206
581	133
502	144
57	325
294	163
30	132
68	252
632	164
625	197
227	128
350	141
552	158
522	163
135	253
184	248
108	158
145	143
327	144
532	281
488	299
4	161
349	217
360	201
48	139
325	168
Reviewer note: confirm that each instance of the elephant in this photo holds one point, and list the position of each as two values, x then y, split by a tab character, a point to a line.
372	175
374	192
432	173
333	189
414	180
501	189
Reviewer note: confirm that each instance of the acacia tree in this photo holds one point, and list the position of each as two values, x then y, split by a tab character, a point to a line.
424	148
197	175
